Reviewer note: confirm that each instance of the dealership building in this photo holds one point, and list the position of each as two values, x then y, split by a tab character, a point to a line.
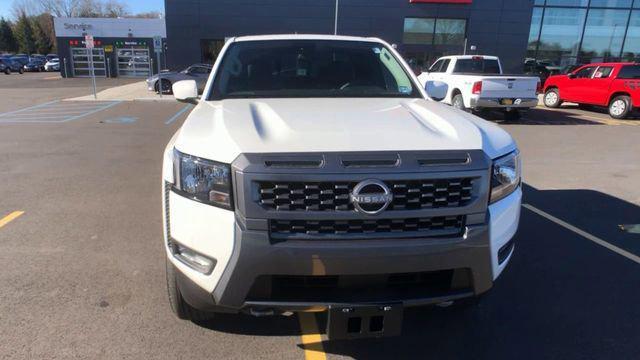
122	47
558	32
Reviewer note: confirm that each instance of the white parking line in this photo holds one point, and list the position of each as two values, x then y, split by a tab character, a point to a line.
177	115
55	112
29	108
584	234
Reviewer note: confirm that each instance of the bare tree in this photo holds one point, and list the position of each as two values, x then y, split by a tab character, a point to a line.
25	7
114	9
61	8
149	15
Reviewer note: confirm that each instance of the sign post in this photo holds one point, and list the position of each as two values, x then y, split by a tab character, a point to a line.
88	42
157	48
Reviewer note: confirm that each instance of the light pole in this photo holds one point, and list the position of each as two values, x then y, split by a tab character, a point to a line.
335	24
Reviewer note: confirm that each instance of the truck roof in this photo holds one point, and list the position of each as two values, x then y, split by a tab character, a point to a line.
304	37
490	57
610	64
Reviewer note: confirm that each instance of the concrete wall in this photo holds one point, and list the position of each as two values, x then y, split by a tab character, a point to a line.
496	27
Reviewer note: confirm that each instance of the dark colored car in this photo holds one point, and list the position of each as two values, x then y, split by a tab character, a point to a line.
34	65
23	59
10	66
534	69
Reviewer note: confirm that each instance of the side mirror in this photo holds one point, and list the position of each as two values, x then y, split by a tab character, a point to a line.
571	76
186	91
436	90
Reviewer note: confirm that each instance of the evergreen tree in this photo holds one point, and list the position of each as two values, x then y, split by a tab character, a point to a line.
8	41
24	34
42	40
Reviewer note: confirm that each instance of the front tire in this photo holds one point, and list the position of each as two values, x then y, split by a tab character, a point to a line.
552	98
166	86
179	306
458	102
7	71
21	71
620	107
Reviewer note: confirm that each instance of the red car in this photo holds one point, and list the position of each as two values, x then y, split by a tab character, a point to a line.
614	85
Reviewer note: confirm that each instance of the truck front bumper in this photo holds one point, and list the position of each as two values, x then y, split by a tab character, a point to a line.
249	264
499	103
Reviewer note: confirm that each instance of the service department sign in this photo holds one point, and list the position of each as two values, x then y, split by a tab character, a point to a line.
78	27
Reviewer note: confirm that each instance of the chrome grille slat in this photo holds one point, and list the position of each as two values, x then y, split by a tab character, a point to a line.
334	196
414	227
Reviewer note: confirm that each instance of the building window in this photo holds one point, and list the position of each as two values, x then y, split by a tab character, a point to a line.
210	50
611	3
603	35
431	31
568	32
560	35
418	31
582	3
631	51
450	31
534	32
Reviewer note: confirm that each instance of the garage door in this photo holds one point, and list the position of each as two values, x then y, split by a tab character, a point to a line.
81	65
133	62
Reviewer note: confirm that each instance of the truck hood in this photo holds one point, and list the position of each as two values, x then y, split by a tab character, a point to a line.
222	130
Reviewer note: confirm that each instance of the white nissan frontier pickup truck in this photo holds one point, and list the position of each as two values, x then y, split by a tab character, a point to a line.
315	174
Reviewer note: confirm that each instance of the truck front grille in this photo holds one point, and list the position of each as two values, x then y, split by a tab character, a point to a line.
369	228
334	196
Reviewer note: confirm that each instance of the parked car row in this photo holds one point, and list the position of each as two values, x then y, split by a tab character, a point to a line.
21	62
477	83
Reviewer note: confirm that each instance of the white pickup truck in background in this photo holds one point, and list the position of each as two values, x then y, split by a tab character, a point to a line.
472	82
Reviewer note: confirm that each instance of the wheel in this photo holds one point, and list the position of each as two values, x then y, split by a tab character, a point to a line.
620	106
552	98
7	71
458	102
166	87
512	115
180	307
21	71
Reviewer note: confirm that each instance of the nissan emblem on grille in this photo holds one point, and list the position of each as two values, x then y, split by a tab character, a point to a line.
371	197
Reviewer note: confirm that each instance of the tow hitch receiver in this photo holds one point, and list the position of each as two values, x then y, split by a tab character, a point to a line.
363	321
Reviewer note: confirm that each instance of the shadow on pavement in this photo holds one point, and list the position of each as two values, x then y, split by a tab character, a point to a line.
562	296
565	115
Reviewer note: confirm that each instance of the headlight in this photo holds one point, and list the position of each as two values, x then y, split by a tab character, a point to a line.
505	176
202	180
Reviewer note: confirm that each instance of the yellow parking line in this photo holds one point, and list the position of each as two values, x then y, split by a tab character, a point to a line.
9	218
311	338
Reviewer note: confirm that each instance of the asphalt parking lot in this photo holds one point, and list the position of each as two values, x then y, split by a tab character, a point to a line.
83	261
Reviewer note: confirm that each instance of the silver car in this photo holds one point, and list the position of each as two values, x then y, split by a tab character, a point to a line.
197	72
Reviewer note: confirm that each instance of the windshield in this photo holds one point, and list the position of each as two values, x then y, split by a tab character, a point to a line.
310	68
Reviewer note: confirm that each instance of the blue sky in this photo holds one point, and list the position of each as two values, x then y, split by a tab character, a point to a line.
135	6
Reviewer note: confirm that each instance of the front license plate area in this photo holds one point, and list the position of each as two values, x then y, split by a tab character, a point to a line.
363	321
506	101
